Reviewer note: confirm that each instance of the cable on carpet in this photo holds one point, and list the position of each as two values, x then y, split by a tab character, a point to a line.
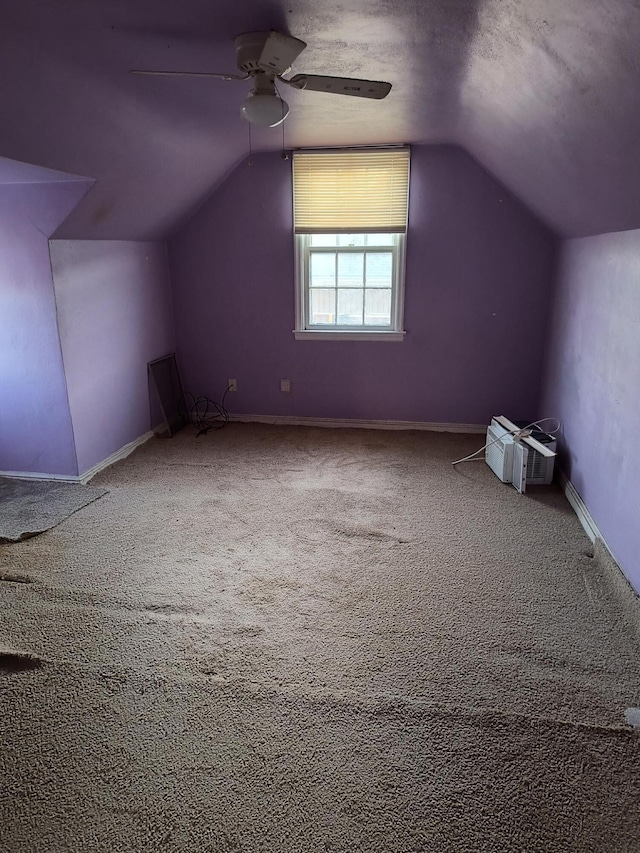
204	414
522	433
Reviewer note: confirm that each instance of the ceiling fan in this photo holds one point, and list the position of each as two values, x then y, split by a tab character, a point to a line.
265	58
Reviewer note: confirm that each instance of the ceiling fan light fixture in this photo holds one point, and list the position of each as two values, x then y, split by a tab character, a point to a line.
264	109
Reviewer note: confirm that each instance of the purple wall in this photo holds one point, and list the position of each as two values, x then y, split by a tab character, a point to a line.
478	282
593	383
115	315
35	424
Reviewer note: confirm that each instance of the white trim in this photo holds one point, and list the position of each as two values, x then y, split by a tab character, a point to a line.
324	335
29	475
298	279
359	423
580	508
593	531
115	457
302	331
400	260
90	473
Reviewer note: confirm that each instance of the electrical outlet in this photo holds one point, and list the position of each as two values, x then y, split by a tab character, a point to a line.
285	386
232	385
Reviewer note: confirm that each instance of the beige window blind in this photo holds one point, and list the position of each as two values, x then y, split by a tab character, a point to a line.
351	191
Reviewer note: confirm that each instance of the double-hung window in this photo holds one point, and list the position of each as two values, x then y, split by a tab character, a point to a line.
350	222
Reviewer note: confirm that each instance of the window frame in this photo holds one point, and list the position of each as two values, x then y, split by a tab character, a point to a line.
303	329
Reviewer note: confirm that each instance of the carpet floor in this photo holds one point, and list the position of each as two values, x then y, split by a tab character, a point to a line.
29	507
290	639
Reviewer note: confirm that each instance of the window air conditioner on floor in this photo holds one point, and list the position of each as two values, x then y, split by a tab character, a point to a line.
518	456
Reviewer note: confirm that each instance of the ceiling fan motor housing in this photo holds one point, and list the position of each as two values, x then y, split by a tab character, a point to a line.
249	47
272	53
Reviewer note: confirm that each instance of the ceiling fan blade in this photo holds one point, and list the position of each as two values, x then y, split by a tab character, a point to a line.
341	85
188	74
280	52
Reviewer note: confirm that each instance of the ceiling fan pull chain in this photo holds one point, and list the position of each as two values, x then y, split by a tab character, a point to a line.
285	110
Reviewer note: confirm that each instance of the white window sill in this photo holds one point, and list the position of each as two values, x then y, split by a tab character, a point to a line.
346	335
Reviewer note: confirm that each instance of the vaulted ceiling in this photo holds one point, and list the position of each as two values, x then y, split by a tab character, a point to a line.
544	93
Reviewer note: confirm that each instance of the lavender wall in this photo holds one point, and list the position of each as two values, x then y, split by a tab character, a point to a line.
593	383
479	273
115	315
35	424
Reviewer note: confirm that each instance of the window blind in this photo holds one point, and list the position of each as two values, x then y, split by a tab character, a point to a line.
351	191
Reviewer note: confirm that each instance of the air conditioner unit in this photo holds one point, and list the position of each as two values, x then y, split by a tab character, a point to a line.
519	459
498	453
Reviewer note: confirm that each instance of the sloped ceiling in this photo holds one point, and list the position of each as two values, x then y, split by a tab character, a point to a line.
546	94
13	172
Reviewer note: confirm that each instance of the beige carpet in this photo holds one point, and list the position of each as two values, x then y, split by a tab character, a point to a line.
292	639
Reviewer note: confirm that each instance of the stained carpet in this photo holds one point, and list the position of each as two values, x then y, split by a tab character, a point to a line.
293	639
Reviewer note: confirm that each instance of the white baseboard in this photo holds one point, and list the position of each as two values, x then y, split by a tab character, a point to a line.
33	475
359	423
115	457
580	508
601	546
88	475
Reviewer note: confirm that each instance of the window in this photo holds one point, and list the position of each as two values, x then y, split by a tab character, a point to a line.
350	217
